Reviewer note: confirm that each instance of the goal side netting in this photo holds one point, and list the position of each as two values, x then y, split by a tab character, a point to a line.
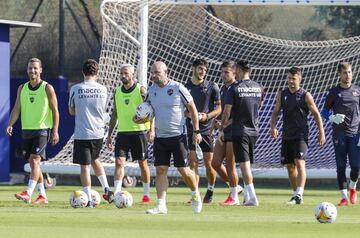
178	34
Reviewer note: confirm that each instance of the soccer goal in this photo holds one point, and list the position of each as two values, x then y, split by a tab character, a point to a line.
179	31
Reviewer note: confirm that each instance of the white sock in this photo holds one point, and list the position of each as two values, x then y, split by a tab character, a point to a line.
161	202
31	187
300	191
146	187
196	192
343	193
211	187
117	186
87	190
246	193
352	184
103	181
251	191
233	193
41	189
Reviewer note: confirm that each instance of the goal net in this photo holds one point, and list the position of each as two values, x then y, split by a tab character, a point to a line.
179	33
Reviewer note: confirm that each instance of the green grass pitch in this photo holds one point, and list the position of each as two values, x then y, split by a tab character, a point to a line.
273	218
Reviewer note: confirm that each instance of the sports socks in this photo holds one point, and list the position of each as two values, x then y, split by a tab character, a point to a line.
343	193
103	181
352	184
299	191
41	189
211	187
233	193
87	190
146	187
31	187
251	191
117	186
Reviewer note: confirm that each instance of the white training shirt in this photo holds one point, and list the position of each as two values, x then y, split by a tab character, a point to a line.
89	100
169	106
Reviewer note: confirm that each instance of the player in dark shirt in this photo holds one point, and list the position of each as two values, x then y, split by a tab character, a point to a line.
206	95
295	104
343	101
223	149
243	100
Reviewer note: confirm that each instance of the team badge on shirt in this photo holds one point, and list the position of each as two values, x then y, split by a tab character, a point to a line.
170	92
127	101
355	93
32	99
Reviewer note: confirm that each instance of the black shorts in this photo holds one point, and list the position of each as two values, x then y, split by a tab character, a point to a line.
243	147
293	149
36	146
165	148
206	144
86	151
135	144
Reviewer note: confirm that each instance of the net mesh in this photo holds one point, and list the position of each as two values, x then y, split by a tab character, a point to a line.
178	34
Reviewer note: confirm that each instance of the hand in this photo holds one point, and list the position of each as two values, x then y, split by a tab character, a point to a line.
274	133
9	130
337	118
203	117
196	138
54	137
109	142
322	139
138	120
221	136
151	136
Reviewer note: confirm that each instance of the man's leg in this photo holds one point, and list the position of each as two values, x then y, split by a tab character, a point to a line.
235	189
86	181
161	182
292	173
211	176
218	159
100	174
249	185
145	178
189	178
194	164
119	173
35	174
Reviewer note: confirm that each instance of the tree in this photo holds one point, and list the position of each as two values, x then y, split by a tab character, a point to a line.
344	20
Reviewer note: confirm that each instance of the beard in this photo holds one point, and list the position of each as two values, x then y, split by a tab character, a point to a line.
125	81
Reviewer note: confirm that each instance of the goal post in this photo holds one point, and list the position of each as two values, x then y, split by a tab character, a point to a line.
179	31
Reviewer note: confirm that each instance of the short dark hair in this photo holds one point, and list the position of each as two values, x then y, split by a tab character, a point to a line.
90	67
244	65
343	65
227	64
199	62
295	70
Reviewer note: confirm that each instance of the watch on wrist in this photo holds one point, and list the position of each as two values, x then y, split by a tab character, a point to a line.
197	131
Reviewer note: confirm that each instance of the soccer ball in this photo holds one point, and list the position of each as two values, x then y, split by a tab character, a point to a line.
144	111
325	212
78	199
123	199
95	198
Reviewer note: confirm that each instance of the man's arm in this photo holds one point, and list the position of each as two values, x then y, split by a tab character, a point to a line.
225	116
15	113
55	113
112	124
193	112
316	114
274	116
213	114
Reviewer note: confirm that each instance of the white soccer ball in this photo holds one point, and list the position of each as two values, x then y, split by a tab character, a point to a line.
325	212
78	199
123	199
95	198
144	111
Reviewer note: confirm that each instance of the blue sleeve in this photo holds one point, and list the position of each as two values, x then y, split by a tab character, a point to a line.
325	113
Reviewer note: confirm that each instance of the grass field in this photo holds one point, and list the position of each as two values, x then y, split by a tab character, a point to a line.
273	218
